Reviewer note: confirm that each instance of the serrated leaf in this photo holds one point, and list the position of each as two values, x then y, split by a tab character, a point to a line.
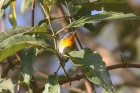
12	14
7	84
94	66
25	5
11	32
52	85
4	53
105	16
26	59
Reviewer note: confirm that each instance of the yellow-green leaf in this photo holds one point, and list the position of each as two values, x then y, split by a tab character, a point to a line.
12	14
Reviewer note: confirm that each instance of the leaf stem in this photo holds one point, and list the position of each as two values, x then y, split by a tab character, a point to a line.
54	37
62	65
60	31
64	17
49	20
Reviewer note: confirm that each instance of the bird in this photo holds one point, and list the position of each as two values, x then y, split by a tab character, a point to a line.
67	44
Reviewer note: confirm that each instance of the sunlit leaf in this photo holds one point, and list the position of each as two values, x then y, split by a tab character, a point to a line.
16	39
47	4
11	32
52	85
6	3
104	91
7	84
12	14
95	68
42	29
105	16
4	53
42	33
25	5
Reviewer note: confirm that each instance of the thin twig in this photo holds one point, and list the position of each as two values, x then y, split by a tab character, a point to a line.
60	30
18	87
17	56
78	77
122	61
55	41
63	17
33	11
49	20
62	65
6	70
58	69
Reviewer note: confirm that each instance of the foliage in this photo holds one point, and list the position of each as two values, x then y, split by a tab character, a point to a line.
28	40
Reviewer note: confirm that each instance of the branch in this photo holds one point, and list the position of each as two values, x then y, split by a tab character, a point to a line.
6	70
78	77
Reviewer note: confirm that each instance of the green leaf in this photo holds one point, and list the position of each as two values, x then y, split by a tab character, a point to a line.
110	1
12	14
105	16
42	29
16	39
25	5
43	21
90	27
94	66
11	32
52	85
6	4
73	9
26	59
7	84
42	33
104	91
4	53
1	13
84	12
1	4
109	5
48	4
